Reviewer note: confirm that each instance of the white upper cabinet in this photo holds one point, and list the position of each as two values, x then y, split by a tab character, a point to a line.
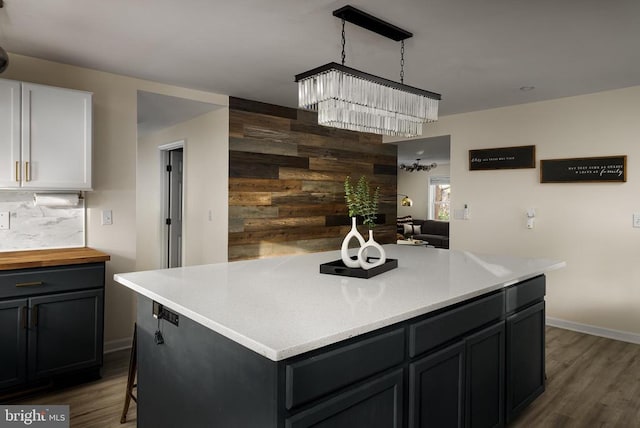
9	134
54	137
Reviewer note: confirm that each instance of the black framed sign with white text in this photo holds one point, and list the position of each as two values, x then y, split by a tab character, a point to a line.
502	158
595	169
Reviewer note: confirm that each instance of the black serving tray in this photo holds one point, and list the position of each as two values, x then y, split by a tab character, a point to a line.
337	267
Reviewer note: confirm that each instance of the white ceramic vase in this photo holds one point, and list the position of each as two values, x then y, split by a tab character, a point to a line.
344	250
365	250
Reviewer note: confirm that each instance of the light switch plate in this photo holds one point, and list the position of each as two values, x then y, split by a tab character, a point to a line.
4	220
636	220
107	217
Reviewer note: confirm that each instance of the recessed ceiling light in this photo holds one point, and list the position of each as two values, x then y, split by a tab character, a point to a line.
420	152
527	88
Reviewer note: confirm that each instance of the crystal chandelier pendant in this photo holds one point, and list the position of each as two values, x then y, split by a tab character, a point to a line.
350	99
347	98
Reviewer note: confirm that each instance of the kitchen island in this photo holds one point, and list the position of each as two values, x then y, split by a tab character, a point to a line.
448	338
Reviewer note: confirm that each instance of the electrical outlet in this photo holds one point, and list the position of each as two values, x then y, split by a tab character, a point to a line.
107	217
4	220
636	220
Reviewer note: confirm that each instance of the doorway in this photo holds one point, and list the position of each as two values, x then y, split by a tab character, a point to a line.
172	167
430	191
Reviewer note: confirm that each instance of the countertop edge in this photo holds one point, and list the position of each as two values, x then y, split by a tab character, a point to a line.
26	259
257	347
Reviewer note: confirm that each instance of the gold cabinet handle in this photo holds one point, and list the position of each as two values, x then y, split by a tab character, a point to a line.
18	171
26	171
28	284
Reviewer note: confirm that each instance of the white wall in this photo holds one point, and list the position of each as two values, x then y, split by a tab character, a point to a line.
589	225
114	170
416	185
206	154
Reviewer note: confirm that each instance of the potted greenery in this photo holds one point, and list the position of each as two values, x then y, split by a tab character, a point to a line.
361	202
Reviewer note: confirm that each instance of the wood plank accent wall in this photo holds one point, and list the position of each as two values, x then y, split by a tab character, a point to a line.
286	181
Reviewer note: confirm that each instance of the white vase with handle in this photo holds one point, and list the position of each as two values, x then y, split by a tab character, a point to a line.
365	250
344	250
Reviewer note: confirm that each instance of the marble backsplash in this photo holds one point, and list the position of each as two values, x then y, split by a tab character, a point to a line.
39	227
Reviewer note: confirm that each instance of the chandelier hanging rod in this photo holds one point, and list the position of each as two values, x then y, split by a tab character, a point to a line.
369	77
371	23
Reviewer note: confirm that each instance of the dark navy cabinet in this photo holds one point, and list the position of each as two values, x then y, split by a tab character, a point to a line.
461	384
525	365
13	336
472	364
485	389
437	389
51	323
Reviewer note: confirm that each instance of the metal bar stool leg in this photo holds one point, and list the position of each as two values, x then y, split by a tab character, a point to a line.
133	368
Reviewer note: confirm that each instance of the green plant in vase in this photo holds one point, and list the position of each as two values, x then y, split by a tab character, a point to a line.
361	201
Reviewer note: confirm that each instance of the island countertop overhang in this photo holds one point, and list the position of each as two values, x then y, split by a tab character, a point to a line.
282	307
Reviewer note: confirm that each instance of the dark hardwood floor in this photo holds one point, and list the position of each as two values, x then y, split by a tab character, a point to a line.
96	404
591	382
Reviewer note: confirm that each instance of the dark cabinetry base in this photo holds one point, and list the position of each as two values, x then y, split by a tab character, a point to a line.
474	364
52	329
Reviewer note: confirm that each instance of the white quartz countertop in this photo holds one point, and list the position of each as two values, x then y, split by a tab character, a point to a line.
281	307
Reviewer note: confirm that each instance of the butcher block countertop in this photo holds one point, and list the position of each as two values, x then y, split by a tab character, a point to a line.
54	257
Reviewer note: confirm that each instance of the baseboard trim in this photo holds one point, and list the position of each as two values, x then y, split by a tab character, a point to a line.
117	345
624	336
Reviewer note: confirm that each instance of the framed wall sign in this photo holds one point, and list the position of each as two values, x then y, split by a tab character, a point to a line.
598	169
502	158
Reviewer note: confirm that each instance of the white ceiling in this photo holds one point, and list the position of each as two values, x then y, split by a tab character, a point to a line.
156	111
476	53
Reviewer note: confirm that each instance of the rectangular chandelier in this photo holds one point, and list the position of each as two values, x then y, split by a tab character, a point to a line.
347	98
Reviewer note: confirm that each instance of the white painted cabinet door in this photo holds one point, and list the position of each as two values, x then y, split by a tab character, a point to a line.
56	138
10	165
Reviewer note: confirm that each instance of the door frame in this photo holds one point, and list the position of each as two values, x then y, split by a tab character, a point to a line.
164	190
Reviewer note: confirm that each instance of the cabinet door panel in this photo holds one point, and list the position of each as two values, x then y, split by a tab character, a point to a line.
375	404
485	377
525	358
9	134
13	337
65	332
436	389
56	137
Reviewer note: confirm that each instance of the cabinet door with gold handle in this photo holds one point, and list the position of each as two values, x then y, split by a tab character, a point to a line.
65	332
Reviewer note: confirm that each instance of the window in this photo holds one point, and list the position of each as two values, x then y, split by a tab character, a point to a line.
439	198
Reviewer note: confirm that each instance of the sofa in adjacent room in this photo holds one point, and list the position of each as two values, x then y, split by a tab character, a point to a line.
435	232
